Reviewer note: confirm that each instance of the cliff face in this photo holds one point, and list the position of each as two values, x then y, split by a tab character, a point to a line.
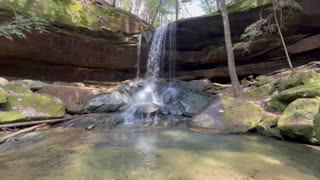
86	41
201	51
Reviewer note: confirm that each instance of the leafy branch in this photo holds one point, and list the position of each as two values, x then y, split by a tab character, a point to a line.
21	24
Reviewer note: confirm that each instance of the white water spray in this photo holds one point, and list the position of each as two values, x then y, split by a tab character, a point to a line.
139	56
156	54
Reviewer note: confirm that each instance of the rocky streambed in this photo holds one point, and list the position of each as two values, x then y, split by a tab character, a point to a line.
283	105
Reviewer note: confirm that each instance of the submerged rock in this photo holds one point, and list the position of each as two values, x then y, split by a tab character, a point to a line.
297	121
97	121
107	102
35	106
229	115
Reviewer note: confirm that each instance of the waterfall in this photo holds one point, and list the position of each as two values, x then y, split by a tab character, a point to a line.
139	56
156	53
146	98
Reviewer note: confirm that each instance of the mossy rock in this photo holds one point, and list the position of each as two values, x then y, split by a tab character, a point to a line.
297	121
73	14
276	105
270	119
10	116
299	78
303	91
36	106
260	92
262	80
17	88
231	115
317	126
3	96
240	115
264	129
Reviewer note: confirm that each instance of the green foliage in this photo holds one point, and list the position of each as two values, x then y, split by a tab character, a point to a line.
21	24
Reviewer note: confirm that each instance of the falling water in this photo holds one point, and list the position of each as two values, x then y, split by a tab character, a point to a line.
148	95
139	56
156	54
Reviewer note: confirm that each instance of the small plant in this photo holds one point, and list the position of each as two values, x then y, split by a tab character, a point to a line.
20	24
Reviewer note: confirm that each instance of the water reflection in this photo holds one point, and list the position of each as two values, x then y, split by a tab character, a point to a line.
158	154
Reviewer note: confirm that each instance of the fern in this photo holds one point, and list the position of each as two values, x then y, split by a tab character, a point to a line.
21	24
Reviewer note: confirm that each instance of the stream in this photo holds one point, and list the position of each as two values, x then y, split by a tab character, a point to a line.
158	154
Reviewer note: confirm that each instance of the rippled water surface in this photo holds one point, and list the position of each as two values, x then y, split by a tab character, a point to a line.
154	154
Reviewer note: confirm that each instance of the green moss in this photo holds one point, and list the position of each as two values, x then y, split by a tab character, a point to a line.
297	120
262	80
36	106
260	92
17	88
244	5
304	91
11	116
3	96
70	12
240	115
270	119
276	105
299	78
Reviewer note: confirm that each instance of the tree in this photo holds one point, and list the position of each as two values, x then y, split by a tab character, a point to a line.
231	63
177	10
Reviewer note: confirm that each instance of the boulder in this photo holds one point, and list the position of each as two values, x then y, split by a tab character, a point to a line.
35	106
17	88
107	102
70	95
3	81
11	116
3	96
229	115
274	104
303	91
200	85
299	78
261	80
297	121
259	92
192	103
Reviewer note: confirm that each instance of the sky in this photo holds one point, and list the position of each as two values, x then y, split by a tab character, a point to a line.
195	9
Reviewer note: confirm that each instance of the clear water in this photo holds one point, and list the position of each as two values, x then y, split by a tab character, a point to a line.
139	154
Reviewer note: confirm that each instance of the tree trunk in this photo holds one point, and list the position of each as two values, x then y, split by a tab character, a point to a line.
114	3
231	64
218	5
157	10
280	33
177	10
